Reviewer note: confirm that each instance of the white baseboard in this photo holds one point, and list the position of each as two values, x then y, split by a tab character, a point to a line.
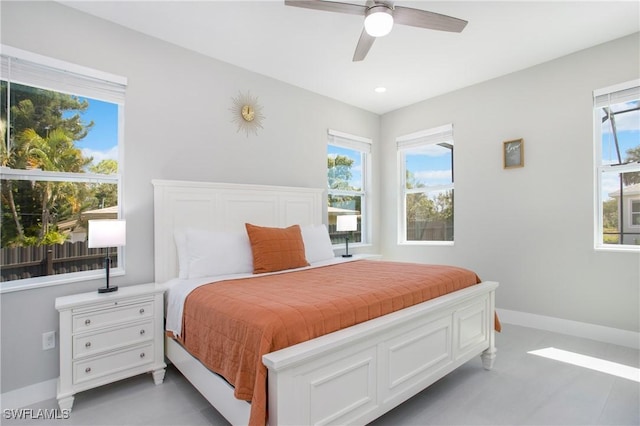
29	395
600	333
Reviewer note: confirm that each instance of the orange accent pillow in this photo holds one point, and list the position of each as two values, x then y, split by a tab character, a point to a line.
276	249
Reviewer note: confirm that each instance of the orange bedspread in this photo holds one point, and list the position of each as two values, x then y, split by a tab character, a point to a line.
229	325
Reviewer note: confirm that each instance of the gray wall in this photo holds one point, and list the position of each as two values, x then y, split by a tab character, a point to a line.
178	126
530	228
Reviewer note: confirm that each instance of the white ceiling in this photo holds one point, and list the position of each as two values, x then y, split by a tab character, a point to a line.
313	49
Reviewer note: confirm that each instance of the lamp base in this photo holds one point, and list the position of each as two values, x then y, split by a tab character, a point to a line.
108	289
347	255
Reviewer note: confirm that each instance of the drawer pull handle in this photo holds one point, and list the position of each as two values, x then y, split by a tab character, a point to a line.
141	311
87	345
87	321
142	332
87	370
142	355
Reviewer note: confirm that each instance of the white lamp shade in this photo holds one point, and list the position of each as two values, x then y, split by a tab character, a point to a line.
107	233
347	222
379	21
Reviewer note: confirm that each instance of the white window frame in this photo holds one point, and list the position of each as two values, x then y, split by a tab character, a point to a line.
405	143
362	144
27	68
618	93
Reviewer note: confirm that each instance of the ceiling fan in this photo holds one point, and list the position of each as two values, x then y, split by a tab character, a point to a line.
379	19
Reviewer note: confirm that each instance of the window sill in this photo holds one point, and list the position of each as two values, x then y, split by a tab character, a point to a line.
41	282
618	248
351	245
426	243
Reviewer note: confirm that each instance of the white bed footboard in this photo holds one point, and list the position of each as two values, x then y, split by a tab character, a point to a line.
357	374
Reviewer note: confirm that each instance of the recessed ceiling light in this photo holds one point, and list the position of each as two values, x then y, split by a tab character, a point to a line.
380	89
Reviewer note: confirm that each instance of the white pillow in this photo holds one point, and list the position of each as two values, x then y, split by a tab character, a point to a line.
180	237
211	253
317	244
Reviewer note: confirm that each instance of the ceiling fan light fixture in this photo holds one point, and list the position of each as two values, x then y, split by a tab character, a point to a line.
378	21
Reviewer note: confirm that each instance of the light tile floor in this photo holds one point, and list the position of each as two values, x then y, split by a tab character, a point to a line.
522	389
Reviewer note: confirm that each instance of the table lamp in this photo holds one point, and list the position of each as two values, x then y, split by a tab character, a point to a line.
105	234
346	223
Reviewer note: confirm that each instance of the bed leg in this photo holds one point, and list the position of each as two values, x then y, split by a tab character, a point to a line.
488	357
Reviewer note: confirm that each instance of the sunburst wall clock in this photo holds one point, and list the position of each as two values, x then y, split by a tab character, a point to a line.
247	113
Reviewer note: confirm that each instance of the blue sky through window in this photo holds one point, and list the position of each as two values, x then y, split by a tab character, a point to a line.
430	165
628	132
102	140
356	169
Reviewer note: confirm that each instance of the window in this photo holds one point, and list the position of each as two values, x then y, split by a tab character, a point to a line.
426	176
617	168
61	129
348	180
635	213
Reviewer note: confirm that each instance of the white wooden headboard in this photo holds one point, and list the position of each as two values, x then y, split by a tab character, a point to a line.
224	206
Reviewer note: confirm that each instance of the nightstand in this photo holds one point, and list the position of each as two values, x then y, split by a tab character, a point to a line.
108	337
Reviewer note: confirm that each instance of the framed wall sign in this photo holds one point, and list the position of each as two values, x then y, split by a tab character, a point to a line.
513	153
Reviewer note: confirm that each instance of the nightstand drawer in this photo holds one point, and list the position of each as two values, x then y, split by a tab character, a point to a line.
112	316
95	368
91	343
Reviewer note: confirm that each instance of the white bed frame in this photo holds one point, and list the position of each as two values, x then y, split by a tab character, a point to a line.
351	376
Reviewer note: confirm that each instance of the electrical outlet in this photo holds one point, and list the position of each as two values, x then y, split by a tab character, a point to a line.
48	340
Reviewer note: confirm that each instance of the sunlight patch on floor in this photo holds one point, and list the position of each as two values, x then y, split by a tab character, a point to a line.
597	364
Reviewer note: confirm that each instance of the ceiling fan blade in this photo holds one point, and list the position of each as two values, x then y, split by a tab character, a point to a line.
329	6
426	19
364	44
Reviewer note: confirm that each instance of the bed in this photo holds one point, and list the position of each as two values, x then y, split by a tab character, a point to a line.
352	375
